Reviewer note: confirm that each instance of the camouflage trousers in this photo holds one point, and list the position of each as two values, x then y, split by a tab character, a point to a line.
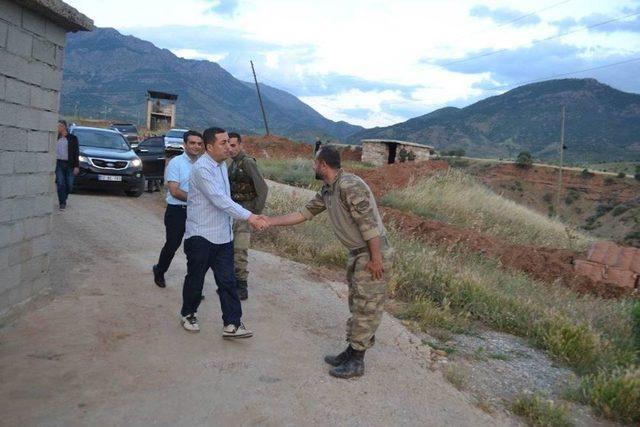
241	243
366	299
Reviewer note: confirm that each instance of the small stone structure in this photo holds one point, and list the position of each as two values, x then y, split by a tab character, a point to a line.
380	152
161	110
32	40
613	265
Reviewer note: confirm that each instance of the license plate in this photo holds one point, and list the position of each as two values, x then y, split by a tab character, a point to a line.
109	178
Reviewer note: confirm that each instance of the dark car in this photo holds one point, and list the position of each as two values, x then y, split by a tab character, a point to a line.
151	152
128	130
107	161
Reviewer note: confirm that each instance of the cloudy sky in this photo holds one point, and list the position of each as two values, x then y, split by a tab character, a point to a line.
375	63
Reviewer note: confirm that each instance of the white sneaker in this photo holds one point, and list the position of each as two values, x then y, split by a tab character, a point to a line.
190	323
233	331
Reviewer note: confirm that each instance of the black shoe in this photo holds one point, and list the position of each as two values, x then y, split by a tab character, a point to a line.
353	367
243	290
338	359
158	277
63	206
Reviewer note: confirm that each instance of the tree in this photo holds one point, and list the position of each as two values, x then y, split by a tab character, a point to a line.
524	160
637	175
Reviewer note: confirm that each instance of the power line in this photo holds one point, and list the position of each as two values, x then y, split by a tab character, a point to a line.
613	64
598	24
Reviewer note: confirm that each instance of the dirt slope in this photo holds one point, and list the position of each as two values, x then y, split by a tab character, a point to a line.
110	351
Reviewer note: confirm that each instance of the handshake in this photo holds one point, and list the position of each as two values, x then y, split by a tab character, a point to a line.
259	222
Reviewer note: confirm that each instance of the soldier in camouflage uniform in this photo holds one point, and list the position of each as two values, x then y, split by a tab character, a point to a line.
357	224
248	189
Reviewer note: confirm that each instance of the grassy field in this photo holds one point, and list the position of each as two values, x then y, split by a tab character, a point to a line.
455	197
450	292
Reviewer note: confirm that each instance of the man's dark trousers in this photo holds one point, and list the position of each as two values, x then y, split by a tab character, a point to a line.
64	180
203	255
174	222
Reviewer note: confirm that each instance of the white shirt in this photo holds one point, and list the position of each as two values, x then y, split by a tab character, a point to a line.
210	208
179	170
62	148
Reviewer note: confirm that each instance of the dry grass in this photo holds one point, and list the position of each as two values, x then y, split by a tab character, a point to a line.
455	197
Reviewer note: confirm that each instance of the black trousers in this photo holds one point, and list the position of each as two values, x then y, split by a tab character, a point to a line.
175	218
203	255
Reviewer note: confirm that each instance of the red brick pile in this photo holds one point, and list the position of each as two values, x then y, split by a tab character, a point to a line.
613	265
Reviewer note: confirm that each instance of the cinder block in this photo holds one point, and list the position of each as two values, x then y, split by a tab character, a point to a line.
38	226
44	51
4	258
44	99
24	252
37	141
38	183
17	92
3	85
13	139
7	159
30	207
49	121
51	77
10	11
41	283
29	162
8	114
60	58
12	186
19	42
56	33
9	278
34	268
33	22
4	27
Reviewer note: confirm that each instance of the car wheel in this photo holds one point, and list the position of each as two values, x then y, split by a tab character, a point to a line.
133	193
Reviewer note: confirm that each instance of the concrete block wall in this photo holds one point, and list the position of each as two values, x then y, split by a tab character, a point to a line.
375	153
31	58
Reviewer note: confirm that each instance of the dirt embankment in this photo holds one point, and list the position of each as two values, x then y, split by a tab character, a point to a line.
549	265
279	147
599	188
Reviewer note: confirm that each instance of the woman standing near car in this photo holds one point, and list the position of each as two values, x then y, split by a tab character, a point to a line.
67	162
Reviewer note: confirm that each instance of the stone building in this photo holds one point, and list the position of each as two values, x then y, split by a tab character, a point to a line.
380	152
32	41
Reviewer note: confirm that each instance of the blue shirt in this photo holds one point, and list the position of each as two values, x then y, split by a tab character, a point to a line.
178	170
210	208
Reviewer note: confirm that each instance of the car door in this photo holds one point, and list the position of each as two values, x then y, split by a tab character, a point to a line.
151	152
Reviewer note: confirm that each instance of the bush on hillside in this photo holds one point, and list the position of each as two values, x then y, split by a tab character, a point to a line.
586	174
622	175
524	160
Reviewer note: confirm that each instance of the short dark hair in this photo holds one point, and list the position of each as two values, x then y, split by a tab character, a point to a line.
209	135
189	133
330	155
235	135
63	123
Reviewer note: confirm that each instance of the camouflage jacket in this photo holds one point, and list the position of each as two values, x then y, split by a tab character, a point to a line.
352	210
248	188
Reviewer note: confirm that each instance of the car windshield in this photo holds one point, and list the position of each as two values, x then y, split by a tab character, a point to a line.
101	139
126	128
175	133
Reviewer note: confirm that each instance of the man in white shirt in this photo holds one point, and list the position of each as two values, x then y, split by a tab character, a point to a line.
209	236
177	177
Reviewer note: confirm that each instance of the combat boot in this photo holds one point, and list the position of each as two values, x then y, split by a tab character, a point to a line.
338	359
243	291
353	367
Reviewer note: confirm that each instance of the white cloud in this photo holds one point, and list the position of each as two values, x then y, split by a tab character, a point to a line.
195	54
368	40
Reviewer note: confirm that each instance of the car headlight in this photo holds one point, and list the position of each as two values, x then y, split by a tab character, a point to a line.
83	159
136	163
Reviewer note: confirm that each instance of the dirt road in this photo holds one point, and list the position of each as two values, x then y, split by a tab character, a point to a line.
109	350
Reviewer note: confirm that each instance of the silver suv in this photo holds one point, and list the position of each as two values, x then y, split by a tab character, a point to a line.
173	138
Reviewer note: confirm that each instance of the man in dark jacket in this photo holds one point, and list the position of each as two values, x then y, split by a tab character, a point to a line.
67	162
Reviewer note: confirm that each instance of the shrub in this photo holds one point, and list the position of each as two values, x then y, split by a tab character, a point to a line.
586	174
609	180
548	197
572	196
637	174
614	394
524	160
541	411
620	209
622	175
458	152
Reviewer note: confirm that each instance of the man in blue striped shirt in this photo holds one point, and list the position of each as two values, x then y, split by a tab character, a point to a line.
209	236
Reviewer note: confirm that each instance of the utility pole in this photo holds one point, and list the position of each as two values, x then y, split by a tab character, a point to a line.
264	116
561	149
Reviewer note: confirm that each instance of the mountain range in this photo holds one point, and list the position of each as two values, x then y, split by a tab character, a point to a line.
107	74
108	70
601	123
